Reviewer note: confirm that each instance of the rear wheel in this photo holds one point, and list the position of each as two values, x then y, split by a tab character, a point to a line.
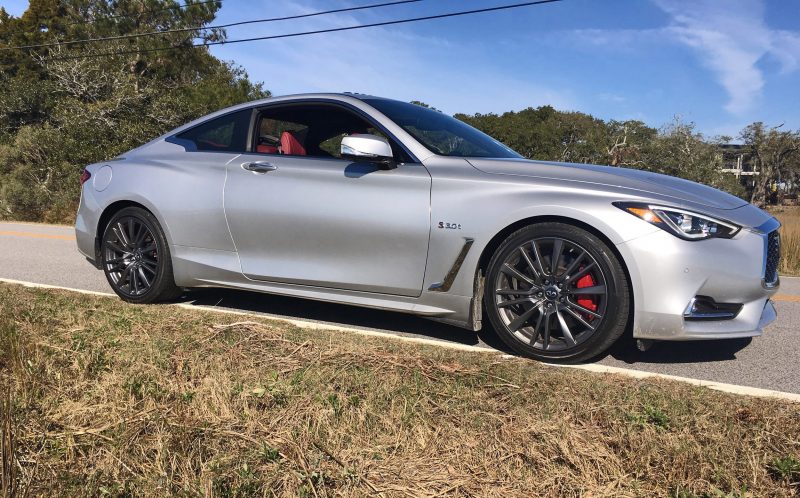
556	292
135	258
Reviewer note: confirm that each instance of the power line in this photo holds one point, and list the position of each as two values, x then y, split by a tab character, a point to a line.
305	33
219	26
155	11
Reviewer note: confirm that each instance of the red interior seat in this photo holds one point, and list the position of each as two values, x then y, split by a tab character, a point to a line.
266	149
292	143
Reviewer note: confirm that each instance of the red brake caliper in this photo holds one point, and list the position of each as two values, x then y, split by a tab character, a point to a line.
585	300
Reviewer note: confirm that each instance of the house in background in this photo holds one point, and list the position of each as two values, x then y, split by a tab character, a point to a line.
736	160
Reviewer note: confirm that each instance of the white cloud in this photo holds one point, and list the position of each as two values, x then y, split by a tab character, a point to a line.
611	97
391	62
731	38
786	48
627	40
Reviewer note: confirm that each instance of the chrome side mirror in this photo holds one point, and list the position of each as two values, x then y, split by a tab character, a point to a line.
368	149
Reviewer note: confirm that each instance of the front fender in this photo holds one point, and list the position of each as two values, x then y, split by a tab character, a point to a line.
485	208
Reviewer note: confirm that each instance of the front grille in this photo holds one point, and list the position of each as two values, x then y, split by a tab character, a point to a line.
773	257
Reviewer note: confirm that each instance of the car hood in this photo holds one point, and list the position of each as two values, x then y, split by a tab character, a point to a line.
643	182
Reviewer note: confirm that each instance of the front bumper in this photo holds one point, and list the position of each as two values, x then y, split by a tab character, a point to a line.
667	273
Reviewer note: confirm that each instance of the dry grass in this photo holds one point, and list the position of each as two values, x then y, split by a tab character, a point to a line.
790	239
112	399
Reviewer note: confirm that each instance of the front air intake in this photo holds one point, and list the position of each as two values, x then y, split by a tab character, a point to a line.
773	259
704	308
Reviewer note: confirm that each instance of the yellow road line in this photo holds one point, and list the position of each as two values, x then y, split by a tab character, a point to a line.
34	235
12	233
35	224
786	297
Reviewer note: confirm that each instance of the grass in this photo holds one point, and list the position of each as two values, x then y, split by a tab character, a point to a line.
790	239
106	398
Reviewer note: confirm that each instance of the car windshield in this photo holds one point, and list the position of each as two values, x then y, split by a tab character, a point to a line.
442	134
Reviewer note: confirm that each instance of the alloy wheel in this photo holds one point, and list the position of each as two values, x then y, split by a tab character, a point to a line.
551	294
130	256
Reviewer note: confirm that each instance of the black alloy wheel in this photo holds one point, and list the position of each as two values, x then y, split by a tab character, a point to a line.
135	257
556	292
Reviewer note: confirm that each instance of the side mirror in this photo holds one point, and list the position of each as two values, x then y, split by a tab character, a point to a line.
368	149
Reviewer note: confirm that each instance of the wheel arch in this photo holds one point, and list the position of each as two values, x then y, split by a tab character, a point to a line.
490	248
109	212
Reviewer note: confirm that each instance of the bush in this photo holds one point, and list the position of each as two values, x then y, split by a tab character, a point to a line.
58	115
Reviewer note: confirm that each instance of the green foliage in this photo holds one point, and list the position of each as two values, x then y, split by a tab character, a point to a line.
423	104
269	454
776	154
786	469
650	415
681	492
676	149
58	115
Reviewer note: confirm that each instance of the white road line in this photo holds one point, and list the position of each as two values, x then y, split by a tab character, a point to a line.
34	285
717	386
592	367
306	324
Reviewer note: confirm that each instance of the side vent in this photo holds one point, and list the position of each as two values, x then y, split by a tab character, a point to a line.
445	284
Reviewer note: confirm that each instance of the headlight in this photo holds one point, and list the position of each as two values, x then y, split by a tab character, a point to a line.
684	224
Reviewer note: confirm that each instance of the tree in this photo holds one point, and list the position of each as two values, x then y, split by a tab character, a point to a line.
423	104
59	113
679	150
627	142
775	154
545	133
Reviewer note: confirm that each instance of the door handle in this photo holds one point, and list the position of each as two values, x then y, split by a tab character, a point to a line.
259	167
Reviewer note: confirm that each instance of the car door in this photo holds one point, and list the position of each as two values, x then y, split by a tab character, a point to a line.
298	214
190	193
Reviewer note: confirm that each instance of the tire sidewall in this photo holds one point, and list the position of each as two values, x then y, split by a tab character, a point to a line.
617	306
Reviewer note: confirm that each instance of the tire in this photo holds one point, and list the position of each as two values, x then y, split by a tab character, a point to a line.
135	258
568	312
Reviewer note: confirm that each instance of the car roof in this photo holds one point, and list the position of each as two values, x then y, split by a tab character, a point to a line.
323	95
342	96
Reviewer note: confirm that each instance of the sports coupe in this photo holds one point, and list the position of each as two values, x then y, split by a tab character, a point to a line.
379	203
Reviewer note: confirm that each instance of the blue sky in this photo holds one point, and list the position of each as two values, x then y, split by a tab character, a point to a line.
719	63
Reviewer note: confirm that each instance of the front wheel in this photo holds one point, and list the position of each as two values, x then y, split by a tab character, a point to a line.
135	258
555	292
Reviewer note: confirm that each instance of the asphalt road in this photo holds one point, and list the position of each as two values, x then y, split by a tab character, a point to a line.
46	254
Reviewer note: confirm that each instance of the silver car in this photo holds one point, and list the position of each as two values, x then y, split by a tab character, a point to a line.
373	202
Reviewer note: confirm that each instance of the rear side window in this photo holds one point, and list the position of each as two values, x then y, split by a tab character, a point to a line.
227	133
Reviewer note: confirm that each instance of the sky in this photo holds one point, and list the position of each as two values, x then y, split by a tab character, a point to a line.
719	63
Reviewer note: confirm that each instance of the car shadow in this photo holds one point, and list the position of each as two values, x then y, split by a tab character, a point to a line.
306	309
676	352
404	324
